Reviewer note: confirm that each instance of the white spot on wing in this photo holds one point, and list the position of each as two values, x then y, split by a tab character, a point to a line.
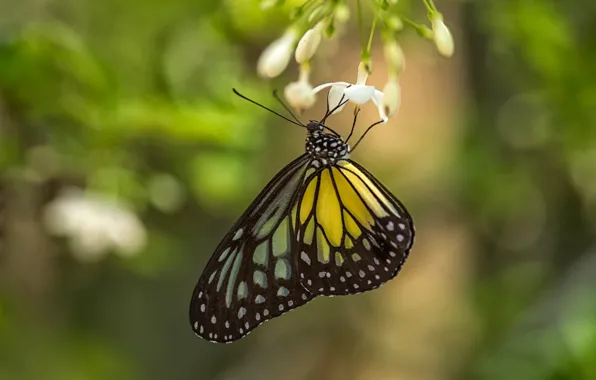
242	290
241	312
238	234
224	254
305	257
366	244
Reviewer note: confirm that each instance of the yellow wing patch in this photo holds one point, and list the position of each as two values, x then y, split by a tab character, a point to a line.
308	200
339	205
352	172
352	201
329	210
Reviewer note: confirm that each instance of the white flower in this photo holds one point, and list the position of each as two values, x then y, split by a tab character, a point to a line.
94	225
308	44
276	56
300	94
358	93
442	36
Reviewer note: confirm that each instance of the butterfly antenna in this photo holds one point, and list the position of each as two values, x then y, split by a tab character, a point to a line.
341	103
364	134
326	109
285	106
266	108
356	112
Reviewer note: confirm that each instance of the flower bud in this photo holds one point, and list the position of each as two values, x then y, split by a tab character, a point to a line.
300	95
442	37
342	13
395	23
276	56
391	98
394	57
308	44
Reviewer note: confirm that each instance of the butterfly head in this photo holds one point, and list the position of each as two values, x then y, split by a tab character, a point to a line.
326	148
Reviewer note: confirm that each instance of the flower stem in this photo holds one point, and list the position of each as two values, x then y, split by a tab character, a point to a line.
372	33
360	26
421	29
430	6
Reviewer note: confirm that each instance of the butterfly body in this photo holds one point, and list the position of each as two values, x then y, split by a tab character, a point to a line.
323	226
325	148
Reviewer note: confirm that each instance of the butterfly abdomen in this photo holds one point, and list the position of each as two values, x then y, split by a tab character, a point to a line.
326	148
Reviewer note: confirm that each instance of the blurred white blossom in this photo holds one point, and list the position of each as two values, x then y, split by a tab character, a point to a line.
391	98
442	36
394	56
308	44
275	58
94	225
300	94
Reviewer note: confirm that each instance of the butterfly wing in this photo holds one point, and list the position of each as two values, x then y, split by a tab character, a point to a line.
252	276
354	235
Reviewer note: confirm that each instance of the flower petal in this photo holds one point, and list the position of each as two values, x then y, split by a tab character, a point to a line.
359	94
336	93
377	99
325	85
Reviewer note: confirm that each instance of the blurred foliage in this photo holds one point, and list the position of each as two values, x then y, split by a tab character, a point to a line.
132	99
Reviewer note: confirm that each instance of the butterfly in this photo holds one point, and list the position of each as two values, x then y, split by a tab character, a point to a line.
323	226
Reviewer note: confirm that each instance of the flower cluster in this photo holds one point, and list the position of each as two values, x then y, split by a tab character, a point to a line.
317	19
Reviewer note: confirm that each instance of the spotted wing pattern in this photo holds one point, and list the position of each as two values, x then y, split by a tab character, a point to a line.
353	236
252	276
